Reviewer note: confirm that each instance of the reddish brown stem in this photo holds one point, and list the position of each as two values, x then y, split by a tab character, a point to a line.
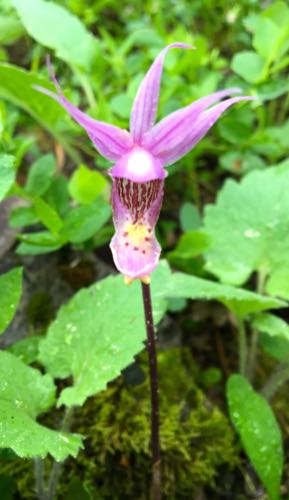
155	437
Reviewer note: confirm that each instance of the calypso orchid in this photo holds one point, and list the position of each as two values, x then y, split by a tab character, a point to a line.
140	157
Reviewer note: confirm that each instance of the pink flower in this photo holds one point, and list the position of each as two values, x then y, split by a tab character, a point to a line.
140	157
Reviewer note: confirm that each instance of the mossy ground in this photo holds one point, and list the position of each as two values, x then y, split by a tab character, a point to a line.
196	438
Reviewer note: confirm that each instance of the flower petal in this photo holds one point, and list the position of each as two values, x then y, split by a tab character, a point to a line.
138	166
112	142
177	134
166	134
136	208
146	101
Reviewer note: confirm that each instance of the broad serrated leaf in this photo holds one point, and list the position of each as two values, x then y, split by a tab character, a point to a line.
25	387
10	292
24	394
259	432
68	38
26	349
249	230
29	439
7	173
274	335
98	333
239	301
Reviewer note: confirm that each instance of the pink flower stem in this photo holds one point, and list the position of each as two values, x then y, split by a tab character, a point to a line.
155	437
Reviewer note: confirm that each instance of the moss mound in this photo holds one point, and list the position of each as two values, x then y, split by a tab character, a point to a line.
196	438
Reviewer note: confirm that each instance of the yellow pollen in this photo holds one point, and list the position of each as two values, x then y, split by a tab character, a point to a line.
136	233
146	279
127	280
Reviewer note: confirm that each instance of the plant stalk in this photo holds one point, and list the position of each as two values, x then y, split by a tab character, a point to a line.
39	478
277	379
151	349
242	346
47	491
57	467
253	352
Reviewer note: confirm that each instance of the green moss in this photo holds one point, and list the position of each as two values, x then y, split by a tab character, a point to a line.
21	471
196	438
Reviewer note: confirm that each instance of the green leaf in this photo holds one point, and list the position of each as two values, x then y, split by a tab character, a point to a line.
239	301
10	292
121	105
237	126
279	133
16	85
57	195
190	244
68	38
77	490
249	230
190	219
241	162
98	333
248	65
259	432
266	38
40	175
48	216
25	394
22	216
273	88
274	335
82	223
278	12
26	349
86	184
7	173
38	243
10	29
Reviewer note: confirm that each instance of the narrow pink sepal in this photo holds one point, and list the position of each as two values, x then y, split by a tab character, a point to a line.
145	105
167	134
173	147
111	142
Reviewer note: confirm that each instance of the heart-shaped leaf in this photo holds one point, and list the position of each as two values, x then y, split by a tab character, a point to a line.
24	394
249	230
98	333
